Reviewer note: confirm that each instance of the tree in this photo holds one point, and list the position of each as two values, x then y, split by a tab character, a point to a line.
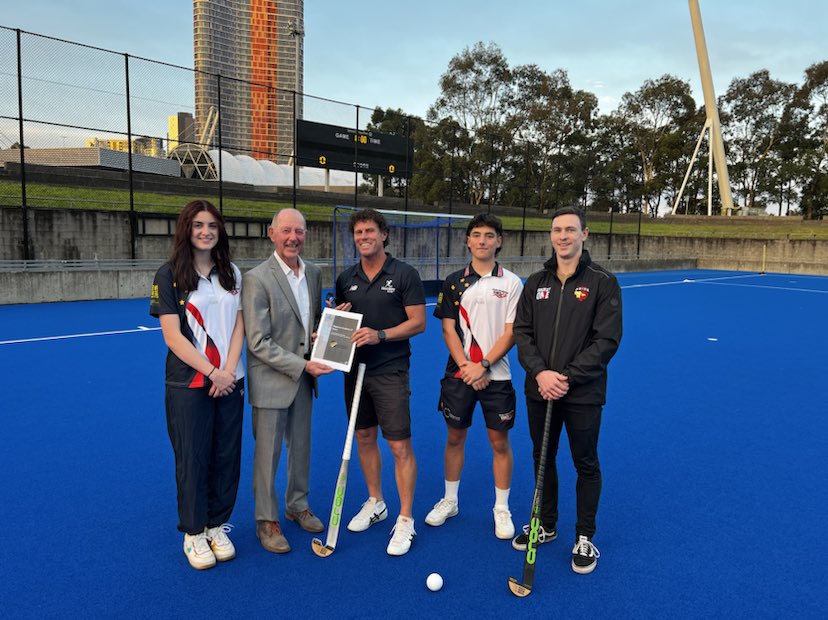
398	123
656	110
812	100
752	110
440	173
474	93
616	178
558	120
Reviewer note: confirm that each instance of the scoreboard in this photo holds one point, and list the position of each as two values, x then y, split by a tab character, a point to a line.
341	148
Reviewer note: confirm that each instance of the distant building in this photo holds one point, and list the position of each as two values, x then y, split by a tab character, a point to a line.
113	144
151	147
99	156
180	130
256	47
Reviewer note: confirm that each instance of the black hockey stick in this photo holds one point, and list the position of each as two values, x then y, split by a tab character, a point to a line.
327	549
524	588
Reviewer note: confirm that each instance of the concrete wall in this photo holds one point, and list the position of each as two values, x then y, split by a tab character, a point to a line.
65	234
79	285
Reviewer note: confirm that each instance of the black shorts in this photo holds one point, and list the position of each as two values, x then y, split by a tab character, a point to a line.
384	403
457	402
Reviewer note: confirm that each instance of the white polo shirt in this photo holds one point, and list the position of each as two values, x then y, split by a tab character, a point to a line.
481	306
208	315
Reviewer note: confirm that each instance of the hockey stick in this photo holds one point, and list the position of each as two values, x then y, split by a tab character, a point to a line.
524	588
327	549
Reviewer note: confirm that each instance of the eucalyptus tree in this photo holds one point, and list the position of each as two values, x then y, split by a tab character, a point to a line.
751	113
616	180
396	122
475	93
557	119
657	111
441	171
812	103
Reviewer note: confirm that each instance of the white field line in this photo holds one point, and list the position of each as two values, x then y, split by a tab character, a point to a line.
138	330
692	281
773	288
718	281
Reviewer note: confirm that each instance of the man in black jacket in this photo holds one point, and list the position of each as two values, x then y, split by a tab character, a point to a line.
574	307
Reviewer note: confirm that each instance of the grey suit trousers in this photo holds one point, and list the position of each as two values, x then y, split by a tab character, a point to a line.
270	426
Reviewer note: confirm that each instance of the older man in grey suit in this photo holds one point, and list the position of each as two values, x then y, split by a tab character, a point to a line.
281	304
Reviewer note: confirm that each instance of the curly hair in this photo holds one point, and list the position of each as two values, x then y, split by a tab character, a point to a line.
369	215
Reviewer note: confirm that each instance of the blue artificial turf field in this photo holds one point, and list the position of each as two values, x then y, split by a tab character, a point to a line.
713	450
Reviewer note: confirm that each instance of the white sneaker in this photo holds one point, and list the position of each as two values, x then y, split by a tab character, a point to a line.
444	509
372	511
222	548
401	536
198	551
504	528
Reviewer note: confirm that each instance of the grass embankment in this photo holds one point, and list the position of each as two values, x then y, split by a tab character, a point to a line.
65	197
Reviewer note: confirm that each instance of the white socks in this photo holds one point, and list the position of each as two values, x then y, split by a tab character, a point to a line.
452	487
502	497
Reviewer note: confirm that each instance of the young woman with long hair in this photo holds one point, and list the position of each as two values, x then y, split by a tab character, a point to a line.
196	296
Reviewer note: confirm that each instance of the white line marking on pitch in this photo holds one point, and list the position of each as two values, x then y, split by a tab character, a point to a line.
689	281
138	330
773	288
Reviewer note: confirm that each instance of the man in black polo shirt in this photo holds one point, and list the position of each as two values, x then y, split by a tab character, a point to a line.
389	294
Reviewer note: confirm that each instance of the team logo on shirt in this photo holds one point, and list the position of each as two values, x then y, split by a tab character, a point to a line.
543	292
353	287
389	286
499	294
581	293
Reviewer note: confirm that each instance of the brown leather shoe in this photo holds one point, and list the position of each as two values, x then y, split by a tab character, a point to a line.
271	537
306	520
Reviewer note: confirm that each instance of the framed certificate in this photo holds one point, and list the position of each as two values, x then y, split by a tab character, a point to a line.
333	346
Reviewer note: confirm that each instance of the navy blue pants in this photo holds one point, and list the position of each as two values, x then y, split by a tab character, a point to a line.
205	433
582	425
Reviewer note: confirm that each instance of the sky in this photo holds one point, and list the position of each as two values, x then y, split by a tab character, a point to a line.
392	54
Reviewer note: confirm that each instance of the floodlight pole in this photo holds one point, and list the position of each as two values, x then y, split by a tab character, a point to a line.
716	142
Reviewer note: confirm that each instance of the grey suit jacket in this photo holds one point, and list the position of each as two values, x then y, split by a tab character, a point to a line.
275	335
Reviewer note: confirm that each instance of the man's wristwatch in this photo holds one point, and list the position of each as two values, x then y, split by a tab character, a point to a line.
381	335
485	363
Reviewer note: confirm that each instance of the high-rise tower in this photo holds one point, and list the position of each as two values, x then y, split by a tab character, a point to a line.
256	48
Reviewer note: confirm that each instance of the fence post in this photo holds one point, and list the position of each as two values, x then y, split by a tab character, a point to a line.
491	172
27	249
609	243
451	192
638	245
220	146
407	178
356	158
133	220
525	202
295	145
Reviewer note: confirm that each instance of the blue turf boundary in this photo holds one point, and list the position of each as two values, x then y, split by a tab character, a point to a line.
713	449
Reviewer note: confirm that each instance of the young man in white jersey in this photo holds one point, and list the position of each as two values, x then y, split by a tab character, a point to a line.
477	306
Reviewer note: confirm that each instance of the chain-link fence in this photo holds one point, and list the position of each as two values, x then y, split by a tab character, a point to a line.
87	128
